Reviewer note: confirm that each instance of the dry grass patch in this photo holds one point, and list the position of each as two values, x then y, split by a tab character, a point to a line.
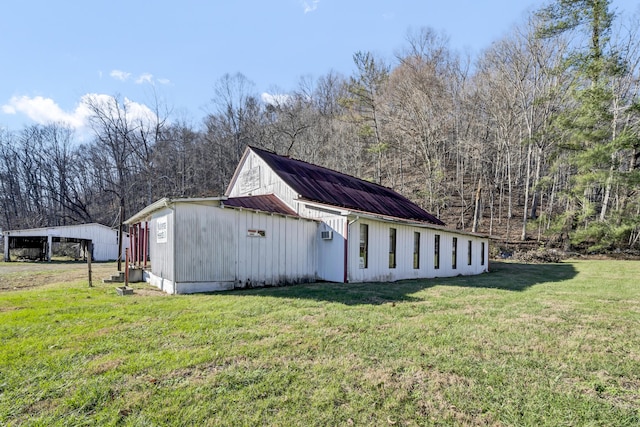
103	365
26	275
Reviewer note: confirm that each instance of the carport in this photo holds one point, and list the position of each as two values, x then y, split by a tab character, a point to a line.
39	241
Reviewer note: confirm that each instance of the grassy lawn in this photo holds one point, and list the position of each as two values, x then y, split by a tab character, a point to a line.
523	345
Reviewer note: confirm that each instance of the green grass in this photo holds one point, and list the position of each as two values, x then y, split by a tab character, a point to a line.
523	345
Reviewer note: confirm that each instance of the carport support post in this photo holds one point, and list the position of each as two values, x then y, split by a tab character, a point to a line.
49	247
6	248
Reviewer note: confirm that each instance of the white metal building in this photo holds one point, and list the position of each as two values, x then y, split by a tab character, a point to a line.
287	221
104	239
210	244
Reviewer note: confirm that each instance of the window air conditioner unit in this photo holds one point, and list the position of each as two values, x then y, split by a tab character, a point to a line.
326	235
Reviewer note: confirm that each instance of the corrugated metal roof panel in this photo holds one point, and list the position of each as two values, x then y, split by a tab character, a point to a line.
266	203
327	186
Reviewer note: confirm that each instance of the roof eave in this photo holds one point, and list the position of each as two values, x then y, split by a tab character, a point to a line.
353	214
242	208
166	202
421	224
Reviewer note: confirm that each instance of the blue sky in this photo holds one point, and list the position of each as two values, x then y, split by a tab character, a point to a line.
56	52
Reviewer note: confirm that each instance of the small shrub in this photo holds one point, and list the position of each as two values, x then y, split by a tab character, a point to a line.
540	255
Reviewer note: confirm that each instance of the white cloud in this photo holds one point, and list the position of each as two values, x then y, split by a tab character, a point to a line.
45	110
145	78
140	113
309	6
120	75
8	108
275	99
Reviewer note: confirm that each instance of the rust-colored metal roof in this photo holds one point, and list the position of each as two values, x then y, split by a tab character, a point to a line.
330	187
266	203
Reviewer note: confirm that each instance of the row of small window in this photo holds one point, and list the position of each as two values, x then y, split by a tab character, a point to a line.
364	249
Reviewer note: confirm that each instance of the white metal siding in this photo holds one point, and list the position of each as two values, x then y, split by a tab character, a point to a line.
205	243
216	248
269	183
286	254
161	253
378	258
330	252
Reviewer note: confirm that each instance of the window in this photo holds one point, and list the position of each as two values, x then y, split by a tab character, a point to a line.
469	253
416	250
392	248
454	253
482	253
364	245
436	252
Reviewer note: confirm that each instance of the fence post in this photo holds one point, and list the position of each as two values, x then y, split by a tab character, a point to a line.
89	246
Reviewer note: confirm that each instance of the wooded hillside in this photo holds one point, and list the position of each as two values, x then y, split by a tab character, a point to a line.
536	139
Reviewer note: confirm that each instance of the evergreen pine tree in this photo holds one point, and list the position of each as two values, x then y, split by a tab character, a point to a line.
598	143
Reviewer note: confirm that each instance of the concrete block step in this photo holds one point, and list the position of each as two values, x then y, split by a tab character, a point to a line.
115	278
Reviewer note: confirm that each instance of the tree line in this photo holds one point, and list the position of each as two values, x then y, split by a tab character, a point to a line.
538	138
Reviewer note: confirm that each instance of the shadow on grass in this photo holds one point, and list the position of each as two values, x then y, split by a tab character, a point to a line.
506	276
